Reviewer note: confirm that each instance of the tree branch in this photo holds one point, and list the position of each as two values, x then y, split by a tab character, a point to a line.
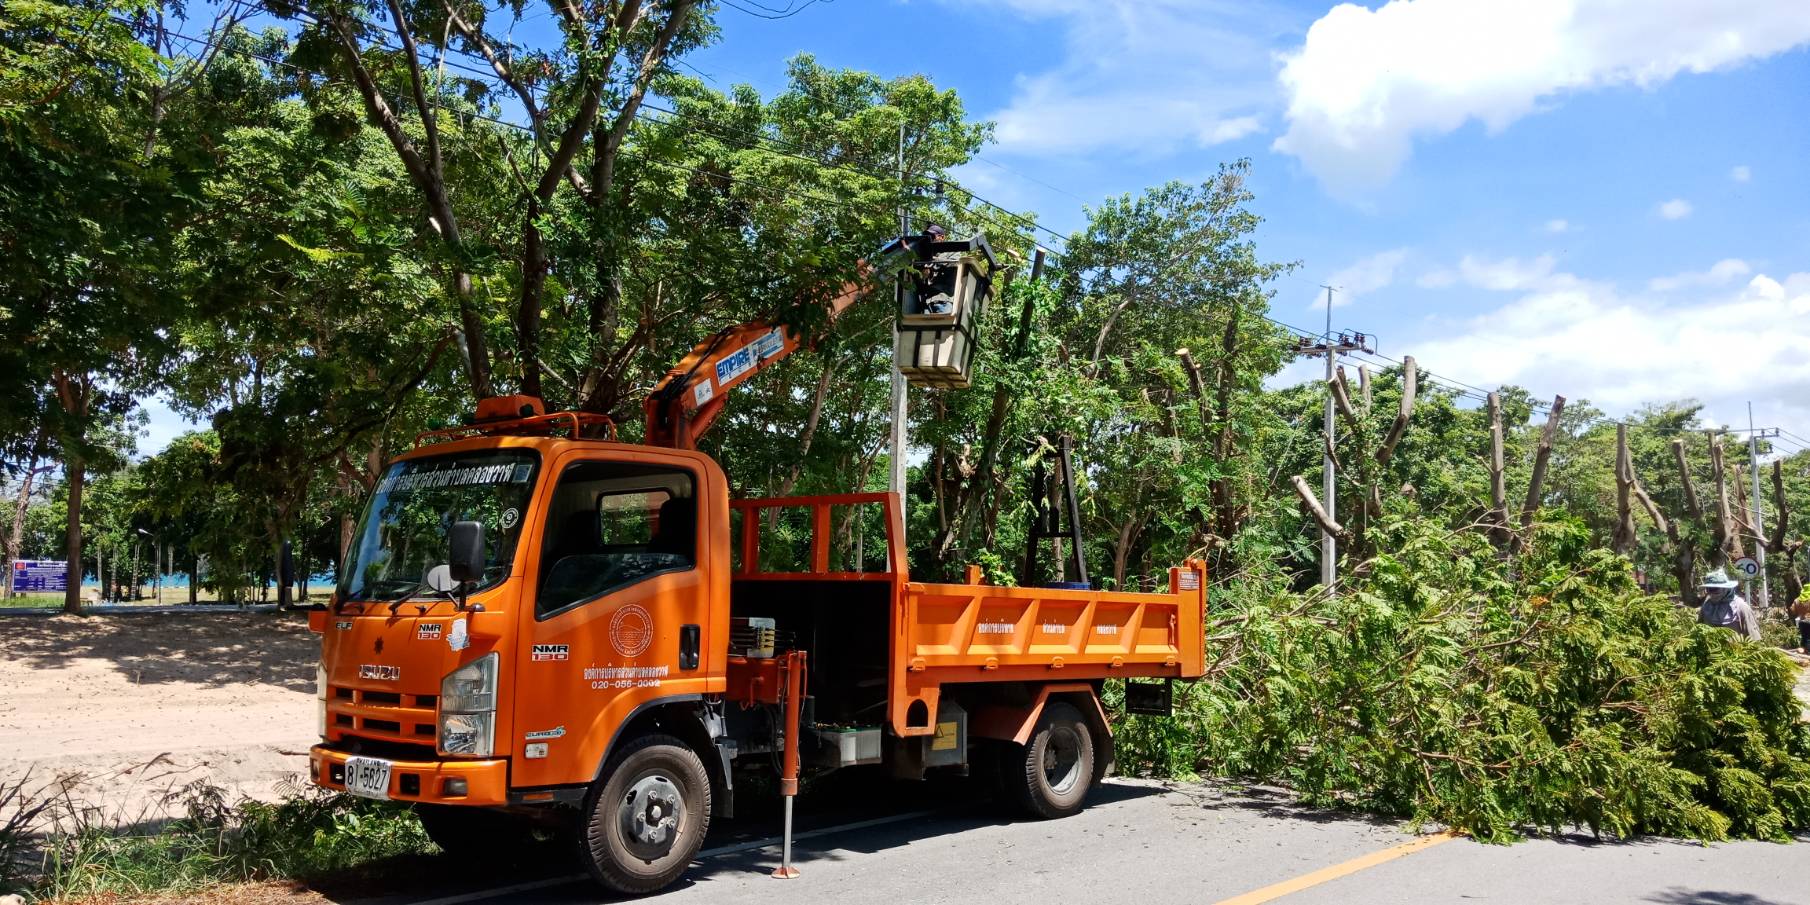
1410	377
1312	503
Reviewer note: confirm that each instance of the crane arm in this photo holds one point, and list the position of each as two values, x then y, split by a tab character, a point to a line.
691	395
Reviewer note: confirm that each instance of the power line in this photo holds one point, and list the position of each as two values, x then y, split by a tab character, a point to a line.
769	13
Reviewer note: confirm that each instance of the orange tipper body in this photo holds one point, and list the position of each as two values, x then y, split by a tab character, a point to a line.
626	647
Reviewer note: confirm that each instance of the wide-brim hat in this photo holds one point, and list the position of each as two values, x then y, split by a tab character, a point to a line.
1718	578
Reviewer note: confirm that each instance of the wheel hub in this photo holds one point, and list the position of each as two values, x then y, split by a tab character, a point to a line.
649	815
1062	759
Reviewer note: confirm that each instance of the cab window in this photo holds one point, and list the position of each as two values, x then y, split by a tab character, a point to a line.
612	524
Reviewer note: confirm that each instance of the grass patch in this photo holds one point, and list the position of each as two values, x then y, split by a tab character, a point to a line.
32	601
62	851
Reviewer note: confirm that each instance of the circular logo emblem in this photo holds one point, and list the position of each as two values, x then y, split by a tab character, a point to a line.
510	517
631	630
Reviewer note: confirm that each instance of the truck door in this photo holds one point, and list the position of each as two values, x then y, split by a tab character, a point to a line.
619	612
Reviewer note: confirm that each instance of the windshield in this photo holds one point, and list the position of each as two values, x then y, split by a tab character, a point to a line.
403	533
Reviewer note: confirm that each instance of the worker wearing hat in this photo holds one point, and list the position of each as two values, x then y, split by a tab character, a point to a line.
1723	608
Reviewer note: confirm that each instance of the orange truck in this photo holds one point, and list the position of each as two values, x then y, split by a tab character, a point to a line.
538	626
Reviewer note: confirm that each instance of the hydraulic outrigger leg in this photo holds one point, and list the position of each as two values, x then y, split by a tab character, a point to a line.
788	776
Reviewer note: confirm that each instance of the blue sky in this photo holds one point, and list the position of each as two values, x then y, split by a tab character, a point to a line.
1597	198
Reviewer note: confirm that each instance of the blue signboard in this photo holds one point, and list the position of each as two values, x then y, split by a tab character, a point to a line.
40	575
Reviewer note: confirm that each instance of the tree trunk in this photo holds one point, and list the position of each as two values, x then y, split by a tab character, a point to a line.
1410	378
1498	488
1684	565
1691	505
72	537
1623	541
1728	535
195	580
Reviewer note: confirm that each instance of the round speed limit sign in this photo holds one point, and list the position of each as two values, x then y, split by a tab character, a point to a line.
1747	567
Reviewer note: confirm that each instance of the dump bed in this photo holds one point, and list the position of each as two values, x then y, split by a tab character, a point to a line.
971	632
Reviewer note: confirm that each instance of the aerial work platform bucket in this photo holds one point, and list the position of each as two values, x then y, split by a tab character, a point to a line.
948	287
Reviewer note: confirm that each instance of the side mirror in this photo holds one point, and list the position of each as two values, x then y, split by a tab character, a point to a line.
465	553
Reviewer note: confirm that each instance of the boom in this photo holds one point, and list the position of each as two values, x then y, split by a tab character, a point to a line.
692	394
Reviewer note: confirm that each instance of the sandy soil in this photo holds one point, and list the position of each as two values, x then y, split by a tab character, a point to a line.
123	710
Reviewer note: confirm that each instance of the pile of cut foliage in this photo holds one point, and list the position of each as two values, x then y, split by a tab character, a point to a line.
1496	695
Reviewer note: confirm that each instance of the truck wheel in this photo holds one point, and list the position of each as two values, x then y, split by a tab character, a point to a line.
647	819
1054	770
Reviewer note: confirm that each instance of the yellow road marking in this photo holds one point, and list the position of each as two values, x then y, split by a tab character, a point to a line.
1327	874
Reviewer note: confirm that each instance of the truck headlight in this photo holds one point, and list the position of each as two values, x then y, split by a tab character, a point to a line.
471	734
470	688
467	724
320	699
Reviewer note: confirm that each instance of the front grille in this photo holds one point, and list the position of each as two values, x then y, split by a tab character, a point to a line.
370	714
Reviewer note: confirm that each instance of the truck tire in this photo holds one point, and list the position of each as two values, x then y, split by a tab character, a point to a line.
646	818
1054	770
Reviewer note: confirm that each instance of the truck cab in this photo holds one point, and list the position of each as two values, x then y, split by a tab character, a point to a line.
603	595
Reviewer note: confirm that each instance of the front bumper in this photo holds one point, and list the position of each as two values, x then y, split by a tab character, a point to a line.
473	782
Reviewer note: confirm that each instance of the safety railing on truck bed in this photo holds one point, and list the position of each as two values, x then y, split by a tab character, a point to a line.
839	537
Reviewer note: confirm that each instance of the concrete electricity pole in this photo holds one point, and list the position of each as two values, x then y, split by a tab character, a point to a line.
1759	505
896	481
1331	346
1329	545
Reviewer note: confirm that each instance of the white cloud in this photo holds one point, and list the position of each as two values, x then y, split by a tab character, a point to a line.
1505	274
1741	173
1589	340
1224	130
1146	76
1558	226
1366	83
1721	273
1675	209
1366	275
1442	278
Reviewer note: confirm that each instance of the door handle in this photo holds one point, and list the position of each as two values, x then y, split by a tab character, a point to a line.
689	642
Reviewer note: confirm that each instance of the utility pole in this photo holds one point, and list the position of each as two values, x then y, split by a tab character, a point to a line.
1759	504
1331	346
896	482
1329	545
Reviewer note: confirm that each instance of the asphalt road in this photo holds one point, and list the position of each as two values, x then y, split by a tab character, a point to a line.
1145	843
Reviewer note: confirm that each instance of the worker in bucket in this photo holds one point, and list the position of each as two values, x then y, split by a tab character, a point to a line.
1723	608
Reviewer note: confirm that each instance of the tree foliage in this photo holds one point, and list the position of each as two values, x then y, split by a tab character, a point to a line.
1496	696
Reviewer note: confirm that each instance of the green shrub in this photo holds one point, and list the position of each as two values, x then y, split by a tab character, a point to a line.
1450	684
308	833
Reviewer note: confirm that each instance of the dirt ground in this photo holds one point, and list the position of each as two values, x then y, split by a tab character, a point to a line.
125	709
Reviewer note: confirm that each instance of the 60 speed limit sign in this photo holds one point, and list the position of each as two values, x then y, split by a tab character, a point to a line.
1747	567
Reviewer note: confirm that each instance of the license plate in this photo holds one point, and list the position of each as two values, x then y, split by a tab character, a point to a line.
368	776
